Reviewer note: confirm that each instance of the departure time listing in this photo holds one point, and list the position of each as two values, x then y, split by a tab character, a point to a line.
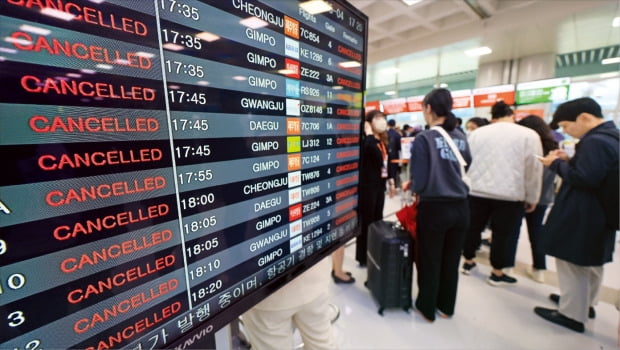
168	160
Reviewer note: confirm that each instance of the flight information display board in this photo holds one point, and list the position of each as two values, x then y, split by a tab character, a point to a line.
170	163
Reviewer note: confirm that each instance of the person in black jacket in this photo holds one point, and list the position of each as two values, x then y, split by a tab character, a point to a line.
393	152
443	210
578	233
373	178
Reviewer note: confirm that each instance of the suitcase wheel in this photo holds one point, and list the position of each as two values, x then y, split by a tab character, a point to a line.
381	311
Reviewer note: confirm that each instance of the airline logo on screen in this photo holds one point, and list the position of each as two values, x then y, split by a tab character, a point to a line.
291	27
293	107
292	88
291	48
291	68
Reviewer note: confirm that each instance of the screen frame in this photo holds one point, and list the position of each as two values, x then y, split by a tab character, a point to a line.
236	309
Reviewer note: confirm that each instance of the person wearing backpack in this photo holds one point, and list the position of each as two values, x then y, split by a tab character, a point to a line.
581	227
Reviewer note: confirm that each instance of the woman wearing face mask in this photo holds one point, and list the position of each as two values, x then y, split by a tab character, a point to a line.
373	178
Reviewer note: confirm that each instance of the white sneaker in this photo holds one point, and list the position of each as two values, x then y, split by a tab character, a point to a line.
536	274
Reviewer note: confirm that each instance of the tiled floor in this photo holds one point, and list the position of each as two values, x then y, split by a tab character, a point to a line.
486	317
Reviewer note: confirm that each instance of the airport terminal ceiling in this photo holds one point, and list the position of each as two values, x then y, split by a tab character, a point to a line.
512	29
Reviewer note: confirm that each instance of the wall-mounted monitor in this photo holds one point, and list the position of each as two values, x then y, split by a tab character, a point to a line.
168	164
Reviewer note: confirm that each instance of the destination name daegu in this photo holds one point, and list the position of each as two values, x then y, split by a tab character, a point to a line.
56	198
85	88
53	46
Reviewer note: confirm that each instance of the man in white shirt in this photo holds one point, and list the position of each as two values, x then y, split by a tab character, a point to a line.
506	180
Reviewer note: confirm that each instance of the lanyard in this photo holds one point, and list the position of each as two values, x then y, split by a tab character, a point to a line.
383	150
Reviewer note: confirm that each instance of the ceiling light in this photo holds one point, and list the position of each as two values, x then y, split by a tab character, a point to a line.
48	11
350	64
315	6
390	93
35	30
411	2
145	54
173	47
253	22
616	22
611	60
206	36
479	51
17	41
239	78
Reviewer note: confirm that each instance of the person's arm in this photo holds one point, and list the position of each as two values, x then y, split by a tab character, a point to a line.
419	165
533	173
589	167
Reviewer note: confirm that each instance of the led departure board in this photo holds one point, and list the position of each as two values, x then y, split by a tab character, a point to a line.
169	163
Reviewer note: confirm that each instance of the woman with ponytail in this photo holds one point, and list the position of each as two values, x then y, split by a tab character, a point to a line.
443	211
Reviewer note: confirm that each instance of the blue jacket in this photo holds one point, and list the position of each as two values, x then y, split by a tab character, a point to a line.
435	171
575	230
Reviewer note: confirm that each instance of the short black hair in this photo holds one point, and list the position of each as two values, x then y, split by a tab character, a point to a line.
500	110
569	111
392	122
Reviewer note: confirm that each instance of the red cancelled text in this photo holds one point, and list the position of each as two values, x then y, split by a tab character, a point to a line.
127	333
43	124
118	280
109	222
51	162
83	88
115	251
58	198
86	14
25	42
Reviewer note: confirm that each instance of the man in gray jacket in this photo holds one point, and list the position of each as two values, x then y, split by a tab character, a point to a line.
581	228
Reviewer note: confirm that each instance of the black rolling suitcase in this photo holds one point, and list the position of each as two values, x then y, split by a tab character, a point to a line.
389	265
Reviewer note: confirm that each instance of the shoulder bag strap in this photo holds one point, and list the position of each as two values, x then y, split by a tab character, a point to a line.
452	145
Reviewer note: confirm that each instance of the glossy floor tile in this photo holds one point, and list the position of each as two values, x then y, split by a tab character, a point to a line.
486	317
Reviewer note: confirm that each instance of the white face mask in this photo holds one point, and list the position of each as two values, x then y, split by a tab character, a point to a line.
379	125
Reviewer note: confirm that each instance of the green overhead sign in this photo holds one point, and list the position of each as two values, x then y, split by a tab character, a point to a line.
542	91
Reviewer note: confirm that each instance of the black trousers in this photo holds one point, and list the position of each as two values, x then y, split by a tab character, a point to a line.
505	218
534	221
370	207
441	233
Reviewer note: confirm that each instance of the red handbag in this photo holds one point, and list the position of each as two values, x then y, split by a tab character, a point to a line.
407	216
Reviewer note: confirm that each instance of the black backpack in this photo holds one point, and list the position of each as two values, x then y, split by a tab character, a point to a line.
609	191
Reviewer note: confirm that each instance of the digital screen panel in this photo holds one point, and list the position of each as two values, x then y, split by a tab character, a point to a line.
169	163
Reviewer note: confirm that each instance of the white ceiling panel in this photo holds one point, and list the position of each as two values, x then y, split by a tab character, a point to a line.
514	28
